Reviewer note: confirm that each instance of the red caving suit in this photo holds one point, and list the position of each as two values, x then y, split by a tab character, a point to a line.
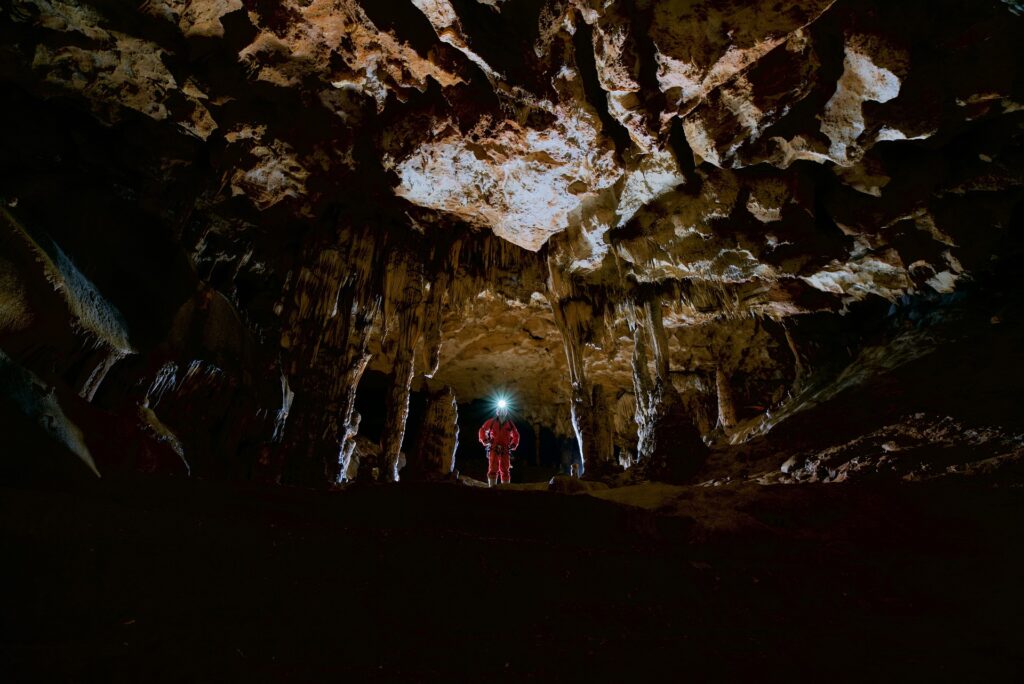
501	439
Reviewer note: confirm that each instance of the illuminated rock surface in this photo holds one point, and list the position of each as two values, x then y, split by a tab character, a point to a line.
222	215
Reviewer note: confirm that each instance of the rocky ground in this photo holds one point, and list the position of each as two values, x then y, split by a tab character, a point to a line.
156	579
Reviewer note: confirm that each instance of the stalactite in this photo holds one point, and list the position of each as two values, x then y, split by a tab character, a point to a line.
655	331
437	299
99	373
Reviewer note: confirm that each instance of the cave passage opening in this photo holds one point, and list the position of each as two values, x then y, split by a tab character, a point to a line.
542	453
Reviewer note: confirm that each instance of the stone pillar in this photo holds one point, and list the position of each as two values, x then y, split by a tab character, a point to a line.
331	313
669	446
574	318
405	315
726	405
397	412
434	453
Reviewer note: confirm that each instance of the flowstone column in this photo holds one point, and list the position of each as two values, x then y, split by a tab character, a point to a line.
332	311
413	311
568	317
726	404
404	295
669	447
574	316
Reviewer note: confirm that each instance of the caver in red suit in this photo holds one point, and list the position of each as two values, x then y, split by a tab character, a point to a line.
500	436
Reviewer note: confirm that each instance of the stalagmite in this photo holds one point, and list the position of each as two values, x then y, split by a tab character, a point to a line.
348	466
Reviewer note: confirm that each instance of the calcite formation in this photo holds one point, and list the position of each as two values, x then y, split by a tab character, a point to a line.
662	226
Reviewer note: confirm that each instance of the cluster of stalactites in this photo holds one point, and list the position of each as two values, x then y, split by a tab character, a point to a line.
488	262
366	283
417	292
586	315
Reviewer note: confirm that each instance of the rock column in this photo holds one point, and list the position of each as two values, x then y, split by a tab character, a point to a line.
434	454
573	317
726	404
669	446
332	311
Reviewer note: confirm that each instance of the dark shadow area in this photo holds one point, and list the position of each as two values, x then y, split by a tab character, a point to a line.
162	580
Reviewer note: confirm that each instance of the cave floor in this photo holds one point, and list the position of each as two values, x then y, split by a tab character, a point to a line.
154	579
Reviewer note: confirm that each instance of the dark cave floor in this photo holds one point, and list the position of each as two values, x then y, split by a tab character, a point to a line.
155	579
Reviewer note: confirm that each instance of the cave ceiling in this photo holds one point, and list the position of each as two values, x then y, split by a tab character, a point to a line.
488	193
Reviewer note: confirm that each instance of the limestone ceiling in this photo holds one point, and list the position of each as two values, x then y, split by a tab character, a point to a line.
737	158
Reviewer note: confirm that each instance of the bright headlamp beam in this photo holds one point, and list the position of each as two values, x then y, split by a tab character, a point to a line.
502	404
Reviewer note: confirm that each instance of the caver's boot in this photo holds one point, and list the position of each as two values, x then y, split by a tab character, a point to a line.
491	481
